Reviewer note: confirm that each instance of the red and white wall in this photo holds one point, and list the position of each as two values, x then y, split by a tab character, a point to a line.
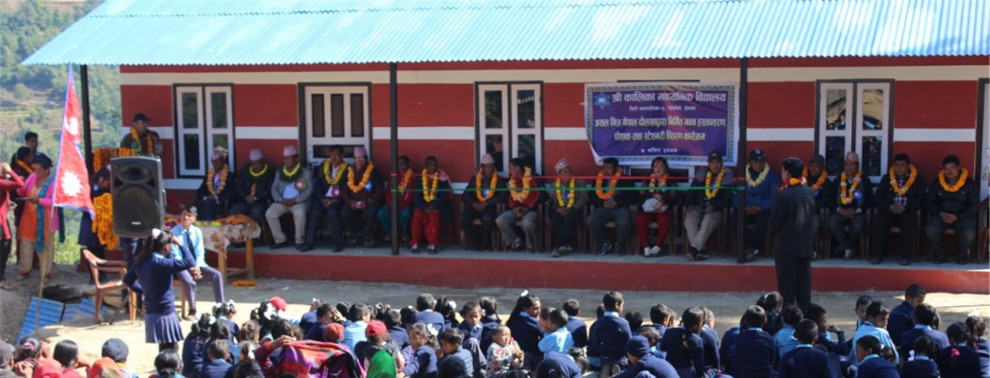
934	104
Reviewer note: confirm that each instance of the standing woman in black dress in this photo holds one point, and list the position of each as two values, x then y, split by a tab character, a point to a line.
153	269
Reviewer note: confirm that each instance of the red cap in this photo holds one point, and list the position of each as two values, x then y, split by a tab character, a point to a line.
279	303
47	368
100	365
375	328
334	332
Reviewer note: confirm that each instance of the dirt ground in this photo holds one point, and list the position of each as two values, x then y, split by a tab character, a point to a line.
728	306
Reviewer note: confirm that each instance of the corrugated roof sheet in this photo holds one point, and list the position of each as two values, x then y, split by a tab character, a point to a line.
257	32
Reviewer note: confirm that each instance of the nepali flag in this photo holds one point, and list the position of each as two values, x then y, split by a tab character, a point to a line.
71	176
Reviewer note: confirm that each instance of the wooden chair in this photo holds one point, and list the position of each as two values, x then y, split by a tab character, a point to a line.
896	230
182	295
721	235
675	225
864	236
495	236
630	247
579	236
97	265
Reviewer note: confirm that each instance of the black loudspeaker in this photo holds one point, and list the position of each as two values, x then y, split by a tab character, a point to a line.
138	195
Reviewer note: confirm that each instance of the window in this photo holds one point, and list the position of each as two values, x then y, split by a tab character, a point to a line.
983	143
335	115
205	119
510	123
855	116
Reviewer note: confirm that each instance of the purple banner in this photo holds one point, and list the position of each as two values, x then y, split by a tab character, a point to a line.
683	122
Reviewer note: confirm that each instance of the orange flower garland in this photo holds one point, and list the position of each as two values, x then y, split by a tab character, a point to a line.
844	193
527	179
712	191
103	222
560	195
821	178
430	190
364	178
149	149
657	183
331	179
611	186
959	183
907	185
405	181
491	187
223	181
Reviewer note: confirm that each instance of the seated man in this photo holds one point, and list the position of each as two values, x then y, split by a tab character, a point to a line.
761	186
522	206
405	201
854	196
480	199
192	237
214	194
254	188
567	202
817	179
611	205
432	197
291	190
328	199
363	197
900	194
704	208
144	142
953	201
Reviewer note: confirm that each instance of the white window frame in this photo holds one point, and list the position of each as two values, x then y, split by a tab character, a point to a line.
854	131
328	139
984	152
205	131
511	128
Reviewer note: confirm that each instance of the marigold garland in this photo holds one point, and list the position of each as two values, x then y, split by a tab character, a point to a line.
430	190
102	156
491	186
605	196
258	174
793	181
844	194
959	183
897	188
710	191
103	222
364	178
149	149
560	194
244	283
405	181
821	178
527	180
657	183
24	165
759	179
223	181
333	179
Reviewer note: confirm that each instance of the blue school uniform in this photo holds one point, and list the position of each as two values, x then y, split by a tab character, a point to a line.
685	351
920	367
354	333
578	330
316	332
910	336
308	320
431	318
804	361
773	323
593	351
784	340
470	332
728	341
568	368
488	324
610	337
965	364
709	338
465	357
218	368
983	352
526	331
192	355
472	344
559	341
422	363
873	366
868	329
399	336
754	356
658	368
901	319
838	347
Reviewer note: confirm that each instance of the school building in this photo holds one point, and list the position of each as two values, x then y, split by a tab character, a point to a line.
509	76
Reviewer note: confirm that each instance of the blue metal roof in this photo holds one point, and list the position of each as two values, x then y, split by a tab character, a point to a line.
258	32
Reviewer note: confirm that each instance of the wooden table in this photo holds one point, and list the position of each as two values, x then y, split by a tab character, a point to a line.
216	238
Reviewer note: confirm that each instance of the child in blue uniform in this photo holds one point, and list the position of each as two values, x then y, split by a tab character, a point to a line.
784	339
754	354
556	338
425	314
977	336
423	363
874	359
610	334
489	320
217	367
959	359
804	360
921	365
709	338
771	303
640	361
876	320
577	327
684	347
902	316
925	320
524	322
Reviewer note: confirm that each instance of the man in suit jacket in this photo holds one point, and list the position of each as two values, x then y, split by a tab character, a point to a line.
793	235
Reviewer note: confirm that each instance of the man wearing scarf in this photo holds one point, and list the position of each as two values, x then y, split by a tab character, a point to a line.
143	141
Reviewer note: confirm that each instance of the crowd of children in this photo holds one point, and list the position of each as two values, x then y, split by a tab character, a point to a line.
435	340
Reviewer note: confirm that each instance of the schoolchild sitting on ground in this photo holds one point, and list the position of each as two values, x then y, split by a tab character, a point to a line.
683	345
817	314
448	309
472	329
167	365
772	303
861	304
425	314
397	333
556	338
662	317
784	339
381	357
357	320
609	335
226	311
220	330
217	367
503	354
640	360
902	317
635	320
489	320
116	349
922	364
876	320
709	338
593	351
558	365
804	360
423	363
653	337
577	327
925	320
754	354
324	316
450	343
524	321
977	328
193	346
959	359
728	342
874	359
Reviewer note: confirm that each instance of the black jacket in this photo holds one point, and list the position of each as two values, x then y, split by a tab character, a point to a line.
226	194
723	198
865	188
791	222
262	184
623	195
915	195
964	203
